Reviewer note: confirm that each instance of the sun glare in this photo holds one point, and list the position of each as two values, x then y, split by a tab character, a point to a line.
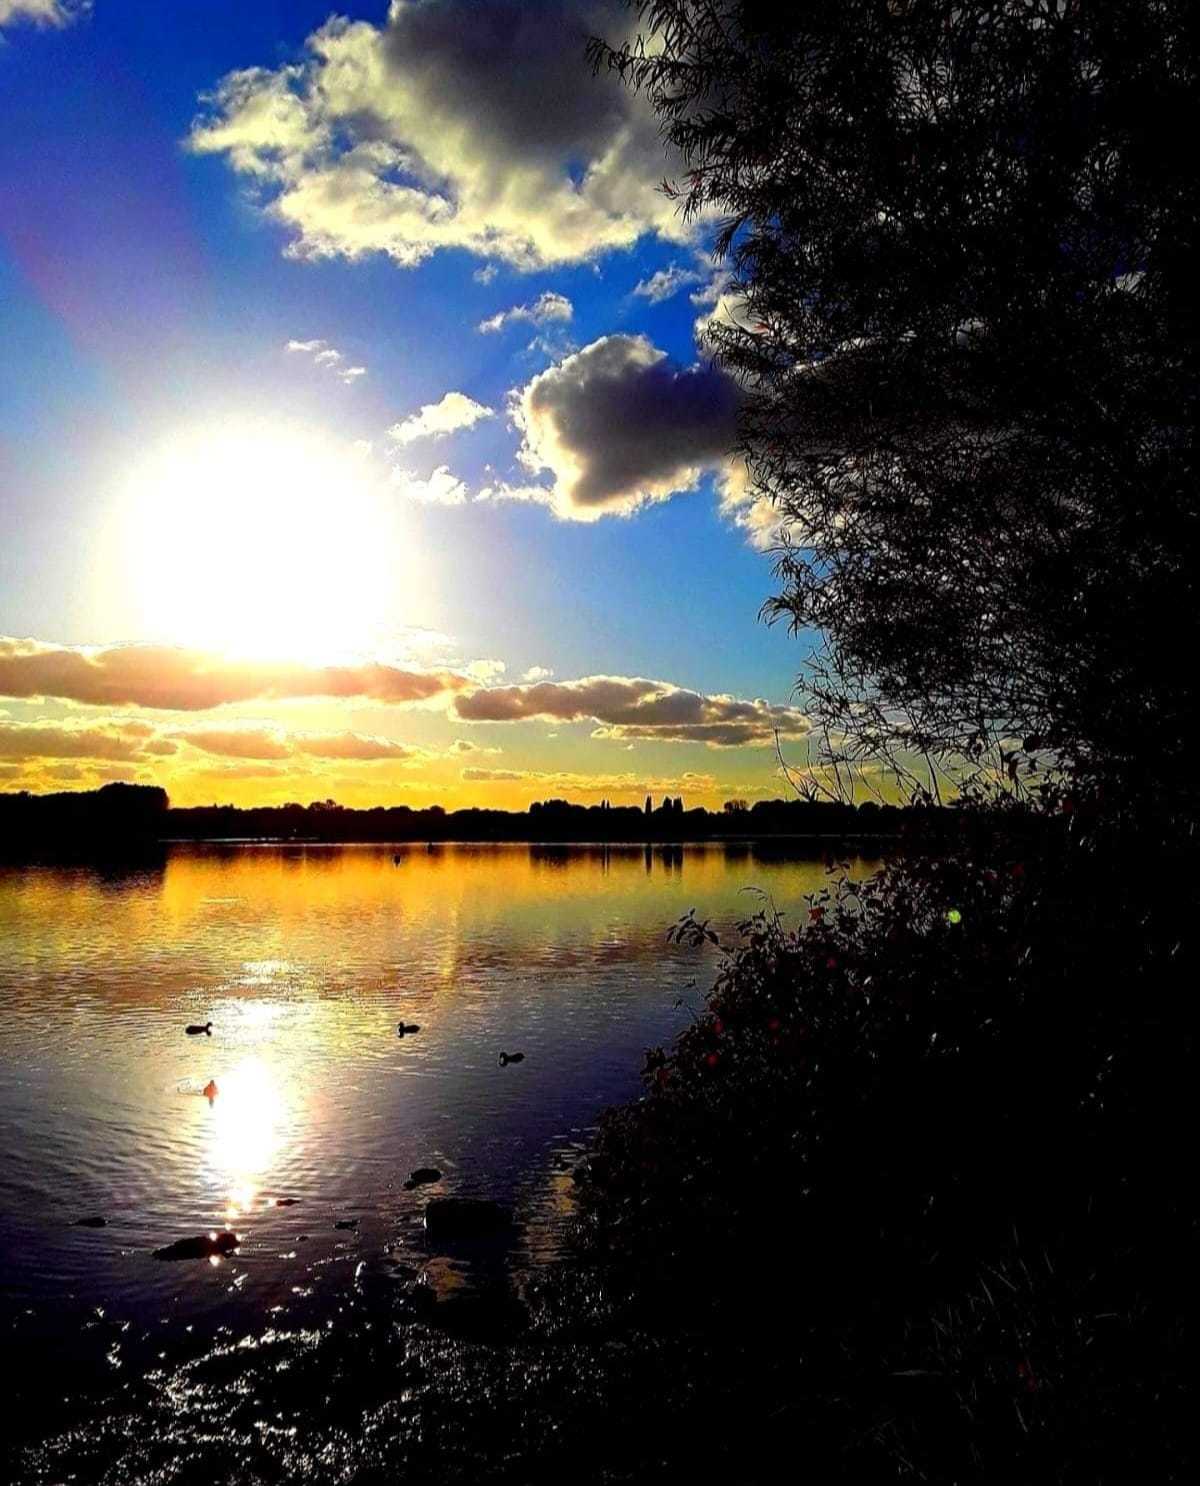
260	541
248	1113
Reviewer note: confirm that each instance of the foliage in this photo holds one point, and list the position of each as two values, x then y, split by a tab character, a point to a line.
962	251
930	1137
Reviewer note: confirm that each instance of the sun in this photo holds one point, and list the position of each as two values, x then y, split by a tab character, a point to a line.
260	540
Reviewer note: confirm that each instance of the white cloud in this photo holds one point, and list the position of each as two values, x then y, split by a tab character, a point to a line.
666	283
450	126
486	670
437	419
537	673
502	491
723	307
755	514
441	488
420	640
323	354
42	12
548	308
486	274
619	424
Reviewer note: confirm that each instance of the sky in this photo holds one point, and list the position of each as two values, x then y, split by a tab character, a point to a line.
355	437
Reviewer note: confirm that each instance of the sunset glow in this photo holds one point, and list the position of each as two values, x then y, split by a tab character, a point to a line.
260	541
278	399
597	831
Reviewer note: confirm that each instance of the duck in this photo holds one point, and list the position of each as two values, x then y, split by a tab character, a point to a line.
406	1029
507	1058
195	1029
210	1090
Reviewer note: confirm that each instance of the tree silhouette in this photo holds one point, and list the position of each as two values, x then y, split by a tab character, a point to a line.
961	244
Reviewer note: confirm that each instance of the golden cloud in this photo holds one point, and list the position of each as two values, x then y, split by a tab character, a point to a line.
628	707
180	680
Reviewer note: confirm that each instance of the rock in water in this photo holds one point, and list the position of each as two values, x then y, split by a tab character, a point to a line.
464	1217
204	1246
422	1176
94	1222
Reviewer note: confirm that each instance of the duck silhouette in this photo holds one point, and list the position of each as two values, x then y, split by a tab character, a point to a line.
406	1029
196	1028
507	1058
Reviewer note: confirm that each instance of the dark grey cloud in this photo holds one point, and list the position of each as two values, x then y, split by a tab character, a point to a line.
620	423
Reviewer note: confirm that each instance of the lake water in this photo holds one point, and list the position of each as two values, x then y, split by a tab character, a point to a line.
304	959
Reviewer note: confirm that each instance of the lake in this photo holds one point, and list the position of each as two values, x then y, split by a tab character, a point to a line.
305	959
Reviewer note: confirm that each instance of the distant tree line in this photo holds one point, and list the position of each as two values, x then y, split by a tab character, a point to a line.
117	818
122	815
545	820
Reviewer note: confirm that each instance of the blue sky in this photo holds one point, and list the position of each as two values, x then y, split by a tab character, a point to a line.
187	190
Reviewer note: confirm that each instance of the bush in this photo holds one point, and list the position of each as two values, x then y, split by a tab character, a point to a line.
932	1135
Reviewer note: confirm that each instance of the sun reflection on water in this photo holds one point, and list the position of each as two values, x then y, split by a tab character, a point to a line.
248	1120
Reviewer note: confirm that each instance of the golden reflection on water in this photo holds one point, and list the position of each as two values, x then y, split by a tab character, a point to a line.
248	1116
305	959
